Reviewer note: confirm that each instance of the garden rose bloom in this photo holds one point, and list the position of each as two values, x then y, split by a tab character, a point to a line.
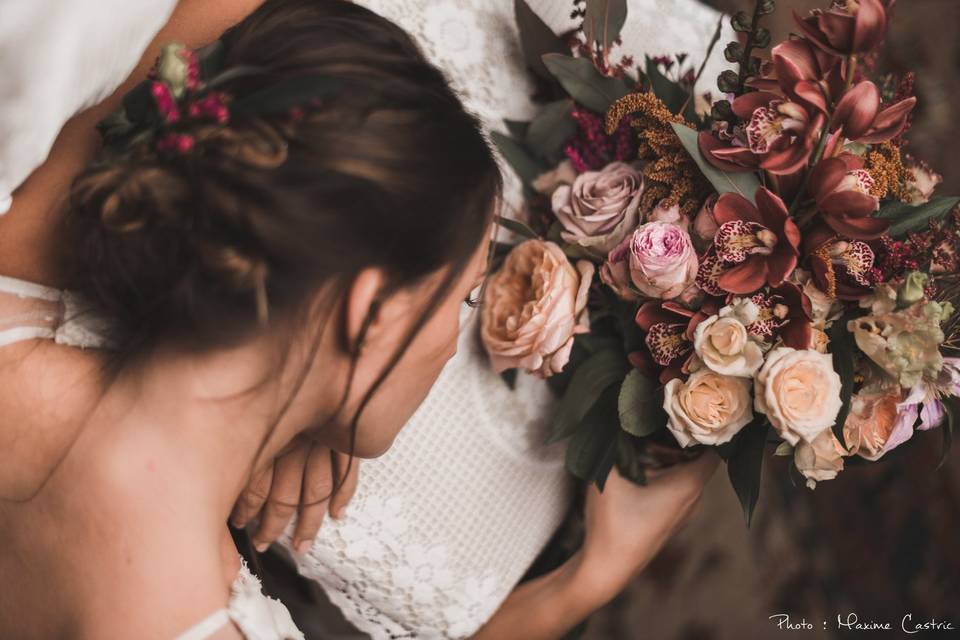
724	344
799	392
705	225
709	408
600	208
533	307
658	260
870	422
819	460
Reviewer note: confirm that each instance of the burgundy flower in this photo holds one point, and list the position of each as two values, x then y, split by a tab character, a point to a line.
777	135
785	311
804	74
841	188
840	268
860	117
669	331
754	246
847	27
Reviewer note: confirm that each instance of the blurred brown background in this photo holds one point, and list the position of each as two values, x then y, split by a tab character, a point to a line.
878	543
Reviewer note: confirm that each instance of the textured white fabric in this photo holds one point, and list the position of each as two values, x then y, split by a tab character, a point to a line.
257	616
443	526
57	58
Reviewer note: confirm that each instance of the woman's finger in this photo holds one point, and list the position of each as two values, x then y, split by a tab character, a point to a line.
317	487
347	485
284	497
250	502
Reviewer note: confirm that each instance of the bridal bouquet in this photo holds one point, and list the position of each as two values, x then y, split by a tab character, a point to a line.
771	268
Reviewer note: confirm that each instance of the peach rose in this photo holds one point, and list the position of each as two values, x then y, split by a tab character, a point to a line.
819	460
870	422
533	307
709	408
724	344
799	392
600	207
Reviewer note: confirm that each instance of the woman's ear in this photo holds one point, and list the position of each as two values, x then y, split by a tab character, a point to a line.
362	307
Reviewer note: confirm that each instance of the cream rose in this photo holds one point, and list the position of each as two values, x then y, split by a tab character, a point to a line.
819	460
600	208
799	392
533	307
724	345
708	408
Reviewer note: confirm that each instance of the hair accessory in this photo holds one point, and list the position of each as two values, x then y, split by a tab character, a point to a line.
187	86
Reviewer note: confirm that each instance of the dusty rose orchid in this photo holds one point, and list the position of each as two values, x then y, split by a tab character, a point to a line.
841	188
841	268
778	135
669	329
860	117
754	246
783	311
848	27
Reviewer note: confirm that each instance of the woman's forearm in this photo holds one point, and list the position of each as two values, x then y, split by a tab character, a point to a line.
547	607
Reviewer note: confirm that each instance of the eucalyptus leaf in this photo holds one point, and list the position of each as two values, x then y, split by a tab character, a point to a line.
517	128
745	465
517	227
604	19
600	371
592	451
639	407
843	351
551	129
584	83
670	93
536	39
525	165
746	184
909	217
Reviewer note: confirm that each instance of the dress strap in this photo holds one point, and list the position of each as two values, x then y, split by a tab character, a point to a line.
24	289
206	627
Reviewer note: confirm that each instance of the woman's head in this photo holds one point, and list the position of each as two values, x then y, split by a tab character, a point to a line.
364	212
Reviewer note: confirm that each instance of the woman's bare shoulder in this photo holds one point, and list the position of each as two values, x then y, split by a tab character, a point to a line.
46	393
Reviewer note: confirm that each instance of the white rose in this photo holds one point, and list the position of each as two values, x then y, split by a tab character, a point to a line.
799	392
708	408
724	344
819	460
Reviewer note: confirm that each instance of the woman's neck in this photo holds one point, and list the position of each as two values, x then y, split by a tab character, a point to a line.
225	412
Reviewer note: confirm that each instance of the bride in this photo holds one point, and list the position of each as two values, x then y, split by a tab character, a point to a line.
256	274
443	527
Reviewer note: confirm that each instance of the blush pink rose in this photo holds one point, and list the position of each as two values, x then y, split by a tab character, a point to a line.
533	307
819	460
600	207
657	261
799	392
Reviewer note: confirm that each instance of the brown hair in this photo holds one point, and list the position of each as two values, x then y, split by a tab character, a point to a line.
389	171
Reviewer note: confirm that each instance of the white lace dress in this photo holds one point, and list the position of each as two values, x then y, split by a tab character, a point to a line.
444	525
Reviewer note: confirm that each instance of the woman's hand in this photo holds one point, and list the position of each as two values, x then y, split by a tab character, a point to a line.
627	525
305	478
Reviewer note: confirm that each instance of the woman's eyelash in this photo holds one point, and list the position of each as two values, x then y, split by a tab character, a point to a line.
473	301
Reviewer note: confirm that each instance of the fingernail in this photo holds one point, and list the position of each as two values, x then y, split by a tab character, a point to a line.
304	546
236	524
261	546
338	513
